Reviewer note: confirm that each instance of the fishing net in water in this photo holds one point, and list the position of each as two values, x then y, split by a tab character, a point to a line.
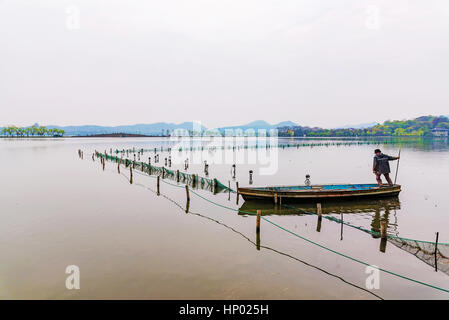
432	253
193	180
429	252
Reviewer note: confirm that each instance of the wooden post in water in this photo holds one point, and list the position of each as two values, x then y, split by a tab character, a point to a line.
383	236
118	167
187	206
341	231
177	175
383	229
158	185
320	217
258	240
187	193
215	185
258	229
188	198
163	173
237	190
130	174
229	190
275	198
436	253
318	225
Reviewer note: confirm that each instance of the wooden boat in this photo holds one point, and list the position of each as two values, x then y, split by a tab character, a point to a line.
319	193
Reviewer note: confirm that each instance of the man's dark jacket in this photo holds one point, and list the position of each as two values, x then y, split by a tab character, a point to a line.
381	164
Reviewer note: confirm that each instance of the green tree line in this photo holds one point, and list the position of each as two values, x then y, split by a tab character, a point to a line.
419	127
40	131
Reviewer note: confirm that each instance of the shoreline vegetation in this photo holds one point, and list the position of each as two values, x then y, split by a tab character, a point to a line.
419	127
33	131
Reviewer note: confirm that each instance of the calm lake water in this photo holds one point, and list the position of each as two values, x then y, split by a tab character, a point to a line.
58	210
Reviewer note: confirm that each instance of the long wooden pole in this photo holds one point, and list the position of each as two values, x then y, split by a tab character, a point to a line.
397	167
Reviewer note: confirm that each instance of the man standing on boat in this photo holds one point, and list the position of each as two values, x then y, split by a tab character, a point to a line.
382	167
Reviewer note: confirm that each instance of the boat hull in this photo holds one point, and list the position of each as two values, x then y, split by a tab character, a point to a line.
319	193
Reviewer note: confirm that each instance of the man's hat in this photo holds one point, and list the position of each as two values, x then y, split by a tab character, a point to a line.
377	150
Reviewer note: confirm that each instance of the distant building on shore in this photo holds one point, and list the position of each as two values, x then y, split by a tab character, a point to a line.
440	132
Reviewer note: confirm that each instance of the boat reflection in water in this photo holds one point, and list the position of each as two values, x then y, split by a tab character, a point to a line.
380	209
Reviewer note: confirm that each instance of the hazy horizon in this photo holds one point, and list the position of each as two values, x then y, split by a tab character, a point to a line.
223	63
179	123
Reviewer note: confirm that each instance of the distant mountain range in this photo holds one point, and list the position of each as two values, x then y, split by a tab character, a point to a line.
260	124
359	126
160	128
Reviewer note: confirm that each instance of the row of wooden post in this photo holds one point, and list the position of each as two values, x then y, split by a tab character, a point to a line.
194	177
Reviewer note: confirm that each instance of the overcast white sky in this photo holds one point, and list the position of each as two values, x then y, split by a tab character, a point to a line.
318	63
